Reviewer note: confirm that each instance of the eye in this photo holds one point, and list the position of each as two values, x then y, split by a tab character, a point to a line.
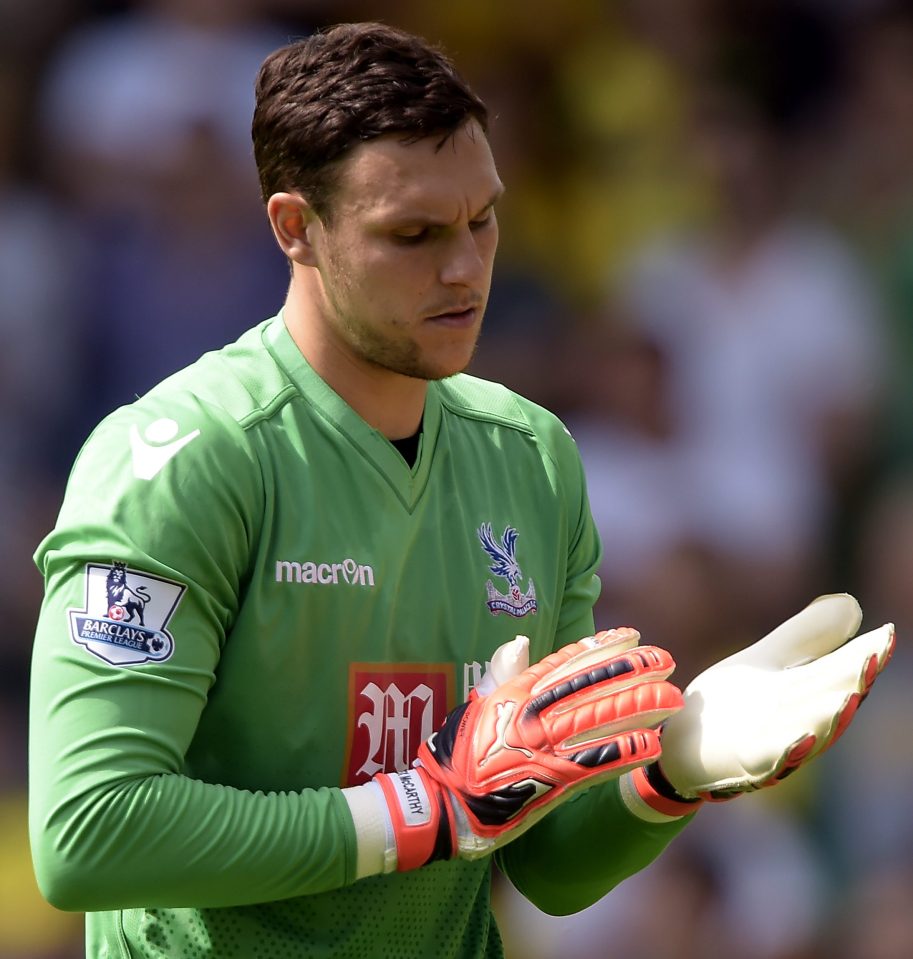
482	221
411	237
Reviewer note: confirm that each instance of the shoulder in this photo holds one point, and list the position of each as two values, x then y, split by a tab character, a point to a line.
192	428
241	383
485	402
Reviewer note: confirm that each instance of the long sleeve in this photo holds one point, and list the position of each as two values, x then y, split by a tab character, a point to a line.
141	594
582	850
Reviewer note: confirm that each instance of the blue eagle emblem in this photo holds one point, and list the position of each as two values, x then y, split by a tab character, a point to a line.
504	565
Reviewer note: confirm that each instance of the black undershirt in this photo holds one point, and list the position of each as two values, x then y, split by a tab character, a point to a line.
408	447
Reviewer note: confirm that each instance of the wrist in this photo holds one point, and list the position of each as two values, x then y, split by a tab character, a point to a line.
420	817
647	794
374	838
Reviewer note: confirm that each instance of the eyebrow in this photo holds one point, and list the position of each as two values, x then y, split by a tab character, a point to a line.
499	192
422	220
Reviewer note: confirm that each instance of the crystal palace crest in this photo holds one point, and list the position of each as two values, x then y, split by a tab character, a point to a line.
504	565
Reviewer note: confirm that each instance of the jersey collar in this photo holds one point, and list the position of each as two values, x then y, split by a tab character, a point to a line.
407	483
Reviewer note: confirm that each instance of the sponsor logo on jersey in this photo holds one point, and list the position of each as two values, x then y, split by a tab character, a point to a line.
158	443
504	565
393	708
125	615
325	574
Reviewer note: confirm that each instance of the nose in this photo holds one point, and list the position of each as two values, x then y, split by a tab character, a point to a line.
466	261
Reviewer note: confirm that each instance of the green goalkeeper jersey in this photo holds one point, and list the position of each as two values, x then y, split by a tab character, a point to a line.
253	600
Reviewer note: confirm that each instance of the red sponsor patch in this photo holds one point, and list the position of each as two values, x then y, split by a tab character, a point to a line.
392	709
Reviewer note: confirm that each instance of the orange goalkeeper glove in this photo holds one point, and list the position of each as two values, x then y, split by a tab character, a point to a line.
581	716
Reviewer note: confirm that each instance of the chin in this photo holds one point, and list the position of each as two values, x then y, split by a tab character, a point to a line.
430	364
444	371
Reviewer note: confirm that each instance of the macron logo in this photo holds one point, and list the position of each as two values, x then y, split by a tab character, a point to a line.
324	574
157	445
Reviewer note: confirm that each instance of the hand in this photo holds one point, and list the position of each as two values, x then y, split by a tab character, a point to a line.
583	715
758	715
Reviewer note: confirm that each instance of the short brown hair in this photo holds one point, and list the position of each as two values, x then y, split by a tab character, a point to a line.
320	97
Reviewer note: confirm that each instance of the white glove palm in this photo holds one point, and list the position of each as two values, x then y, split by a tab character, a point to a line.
756	716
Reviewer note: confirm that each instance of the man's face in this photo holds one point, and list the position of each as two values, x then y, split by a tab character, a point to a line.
405	259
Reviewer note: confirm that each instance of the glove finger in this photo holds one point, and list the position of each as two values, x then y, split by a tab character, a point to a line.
580	657
799	753
600	680
631	669
510	659
796	755
507	662
851	668
824	625
848	710
615	755
819	703
643	706
493	805
875	663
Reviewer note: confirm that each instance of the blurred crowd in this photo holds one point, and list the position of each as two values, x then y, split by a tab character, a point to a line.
706	268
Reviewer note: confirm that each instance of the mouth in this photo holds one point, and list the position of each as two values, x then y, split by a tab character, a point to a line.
458	319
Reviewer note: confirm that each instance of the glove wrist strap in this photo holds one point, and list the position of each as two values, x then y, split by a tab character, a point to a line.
420	814
648	795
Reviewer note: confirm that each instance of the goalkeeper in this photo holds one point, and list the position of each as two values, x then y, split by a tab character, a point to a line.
317	641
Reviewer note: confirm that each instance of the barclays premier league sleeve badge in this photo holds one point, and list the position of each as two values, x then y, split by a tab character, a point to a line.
125	615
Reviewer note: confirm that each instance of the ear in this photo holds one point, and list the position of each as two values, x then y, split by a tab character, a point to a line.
295	226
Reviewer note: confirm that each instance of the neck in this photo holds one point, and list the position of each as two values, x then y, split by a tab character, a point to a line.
389	402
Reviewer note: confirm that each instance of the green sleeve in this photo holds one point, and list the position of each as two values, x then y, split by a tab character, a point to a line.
581	585
582	850
115	820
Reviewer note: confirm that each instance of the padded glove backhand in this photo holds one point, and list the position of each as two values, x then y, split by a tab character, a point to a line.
583	715
756	716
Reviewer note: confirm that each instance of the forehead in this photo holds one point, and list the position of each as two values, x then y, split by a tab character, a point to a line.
386	178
